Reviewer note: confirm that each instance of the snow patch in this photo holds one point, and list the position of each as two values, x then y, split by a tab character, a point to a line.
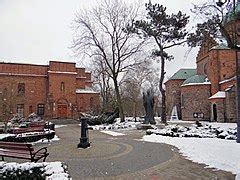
112	133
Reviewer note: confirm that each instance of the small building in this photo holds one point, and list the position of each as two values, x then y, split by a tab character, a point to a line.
57	90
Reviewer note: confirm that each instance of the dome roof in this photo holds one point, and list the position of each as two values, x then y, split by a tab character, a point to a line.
197	79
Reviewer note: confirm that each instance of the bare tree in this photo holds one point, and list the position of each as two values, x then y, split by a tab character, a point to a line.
133	84
102	80
101	32
216	24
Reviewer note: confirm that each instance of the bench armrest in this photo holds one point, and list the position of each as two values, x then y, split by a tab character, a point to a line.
41	153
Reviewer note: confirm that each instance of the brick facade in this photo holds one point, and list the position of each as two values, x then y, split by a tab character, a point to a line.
50	90
194	99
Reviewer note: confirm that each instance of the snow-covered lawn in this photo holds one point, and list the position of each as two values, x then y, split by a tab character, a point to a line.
217	153
202	130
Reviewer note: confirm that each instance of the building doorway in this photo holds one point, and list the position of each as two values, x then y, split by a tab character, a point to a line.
62	108
62	111
214	110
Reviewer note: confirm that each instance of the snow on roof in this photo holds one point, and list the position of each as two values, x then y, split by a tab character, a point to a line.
221	46
16	74
196	84
218	95
227	80
61	72
86	91
229	88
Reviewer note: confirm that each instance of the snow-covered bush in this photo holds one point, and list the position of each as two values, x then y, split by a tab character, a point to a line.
28	170
204	131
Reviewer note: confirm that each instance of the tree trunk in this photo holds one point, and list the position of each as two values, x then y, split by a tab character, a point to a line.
135	111
162	90
119	101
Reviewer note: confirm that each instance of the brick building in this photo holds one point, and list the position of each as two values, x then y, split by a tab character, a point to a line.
57	90
210	93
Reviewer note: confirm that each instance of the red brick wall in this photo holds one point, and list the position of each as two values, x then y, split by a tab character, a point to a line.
227	64
62	66
88	102
195	99
35	90
80	83
23	69
214	71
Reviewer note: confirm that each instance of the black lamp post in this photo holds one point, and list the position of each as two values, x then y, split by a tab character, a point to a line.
220	3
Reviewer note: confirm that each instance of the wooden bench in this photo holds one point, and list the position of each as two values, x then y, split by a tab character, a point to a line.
22	151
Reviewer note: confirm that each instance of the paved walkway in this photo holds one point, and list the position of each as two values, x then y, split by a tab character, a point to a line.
124	157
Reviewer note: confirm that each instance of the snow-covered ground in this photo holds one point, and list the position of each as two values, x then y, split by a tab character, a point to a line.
112	133
217	153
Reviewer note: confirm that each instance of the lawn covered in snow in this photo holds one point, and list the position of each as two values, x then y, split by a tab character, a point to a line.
199	130
214	152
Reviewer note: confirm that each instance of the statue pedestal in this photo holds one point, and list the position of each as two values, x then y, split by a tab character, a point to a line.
144	126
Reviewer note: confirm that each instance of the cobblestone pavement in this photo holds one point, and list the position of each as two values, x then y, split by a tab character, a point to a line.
124	157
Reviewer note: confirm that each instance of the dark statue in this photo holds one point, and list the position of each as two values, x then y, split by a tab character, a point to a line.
148	103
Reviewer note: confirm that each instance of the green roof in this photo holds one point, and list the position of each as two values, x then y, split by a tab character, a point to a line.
196	79
183	74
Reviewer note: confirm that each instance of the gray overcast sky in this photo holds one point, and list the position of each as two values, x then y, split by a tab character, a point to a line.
36	31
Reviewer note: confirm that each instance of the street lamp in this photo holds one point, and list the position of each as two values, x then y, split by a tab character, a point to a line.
220	3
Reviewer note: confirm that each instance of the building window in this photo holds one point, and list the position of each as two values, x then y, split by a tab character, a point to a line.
20	109
21	88
62	88
40	109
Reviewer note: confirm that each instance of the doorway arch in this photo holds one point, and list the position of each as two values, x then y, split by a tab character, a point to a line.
62	108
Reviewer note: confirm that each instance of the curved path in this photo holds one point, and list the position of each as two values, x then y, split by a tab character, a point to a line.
123	157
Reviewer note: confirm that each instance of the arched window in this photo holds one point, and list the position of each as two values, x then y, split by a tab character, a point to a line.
62	88
21	88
